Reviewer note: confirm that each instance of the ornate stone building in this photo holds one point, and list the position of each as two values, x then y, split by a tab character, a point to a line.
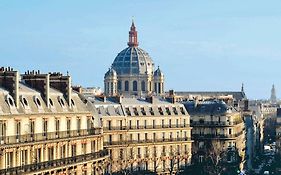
142	135
218	133
45	127
132	72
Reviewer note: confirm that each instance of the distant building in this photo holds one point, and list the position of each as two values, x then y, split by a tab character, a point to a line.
278	132
91	91
132	72
218	129
273	98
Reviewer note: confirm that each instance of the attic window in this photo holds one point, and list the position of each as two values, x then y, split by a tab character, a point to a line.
168	111
51	102
136	111
24	101
175	110
128	112
10	101
143	111
37	101
151	111
60	100
182	111
72	102
160	111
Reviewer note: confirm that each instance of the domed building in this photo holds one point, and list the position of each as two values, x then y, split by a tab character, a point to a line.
132	72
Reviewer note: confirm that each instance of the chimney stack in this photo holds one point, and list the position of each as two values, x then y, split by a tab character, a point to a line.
63	84
40	82
9	79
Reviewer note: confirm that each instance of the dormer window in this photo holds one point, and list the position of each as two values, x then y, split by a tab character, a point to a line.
24	101
136	111
128	112
51	102
168	111
143	111
175	110
72	102
160	111
61	102
182	111
37	101
10	101
151	111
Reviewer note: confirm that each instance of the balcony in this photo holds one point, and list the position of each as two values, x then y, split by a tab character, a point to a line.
55	163
145	127
214	124
216	136
26	138
128	142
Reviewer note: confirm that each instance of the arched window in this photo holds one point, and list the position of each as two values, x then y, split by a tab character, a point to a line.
159	88
126	86
135	86
143	86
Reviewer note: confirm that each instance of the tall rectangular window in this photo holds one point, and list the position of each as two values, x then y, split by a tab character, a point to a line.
68	123
109	125
51	153
138	124
78	124
63	151
93	146
9	159
57	126
130	124
2	129
73	150
121	124
32	127
18	129
45	127
145	124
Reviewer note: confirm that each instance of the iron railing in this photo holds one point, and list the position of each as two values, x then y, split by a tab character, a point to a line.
54	163
25	138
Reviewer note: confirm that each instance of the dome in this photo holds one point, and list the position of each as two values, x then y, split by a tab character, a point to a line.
133	61
158	73
110	73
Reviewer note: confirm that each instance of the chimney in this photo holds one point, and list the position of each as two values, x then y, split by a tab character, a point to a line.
63	84
9	79
40	82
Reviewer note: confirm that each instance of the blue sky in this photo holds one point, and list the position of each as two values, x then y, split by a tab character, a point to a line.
200	45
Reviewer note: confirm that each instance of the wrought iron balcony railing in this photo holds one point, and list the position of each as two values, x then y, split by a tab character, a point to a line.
144	127
48	136
54	163
214	124
127	142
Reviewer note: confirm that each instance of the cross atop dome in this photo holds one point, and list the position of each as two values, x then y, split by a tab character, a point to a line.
133	36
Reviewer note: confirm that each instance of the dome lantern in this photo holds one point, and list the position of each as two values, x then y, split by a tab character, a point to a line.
133	36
